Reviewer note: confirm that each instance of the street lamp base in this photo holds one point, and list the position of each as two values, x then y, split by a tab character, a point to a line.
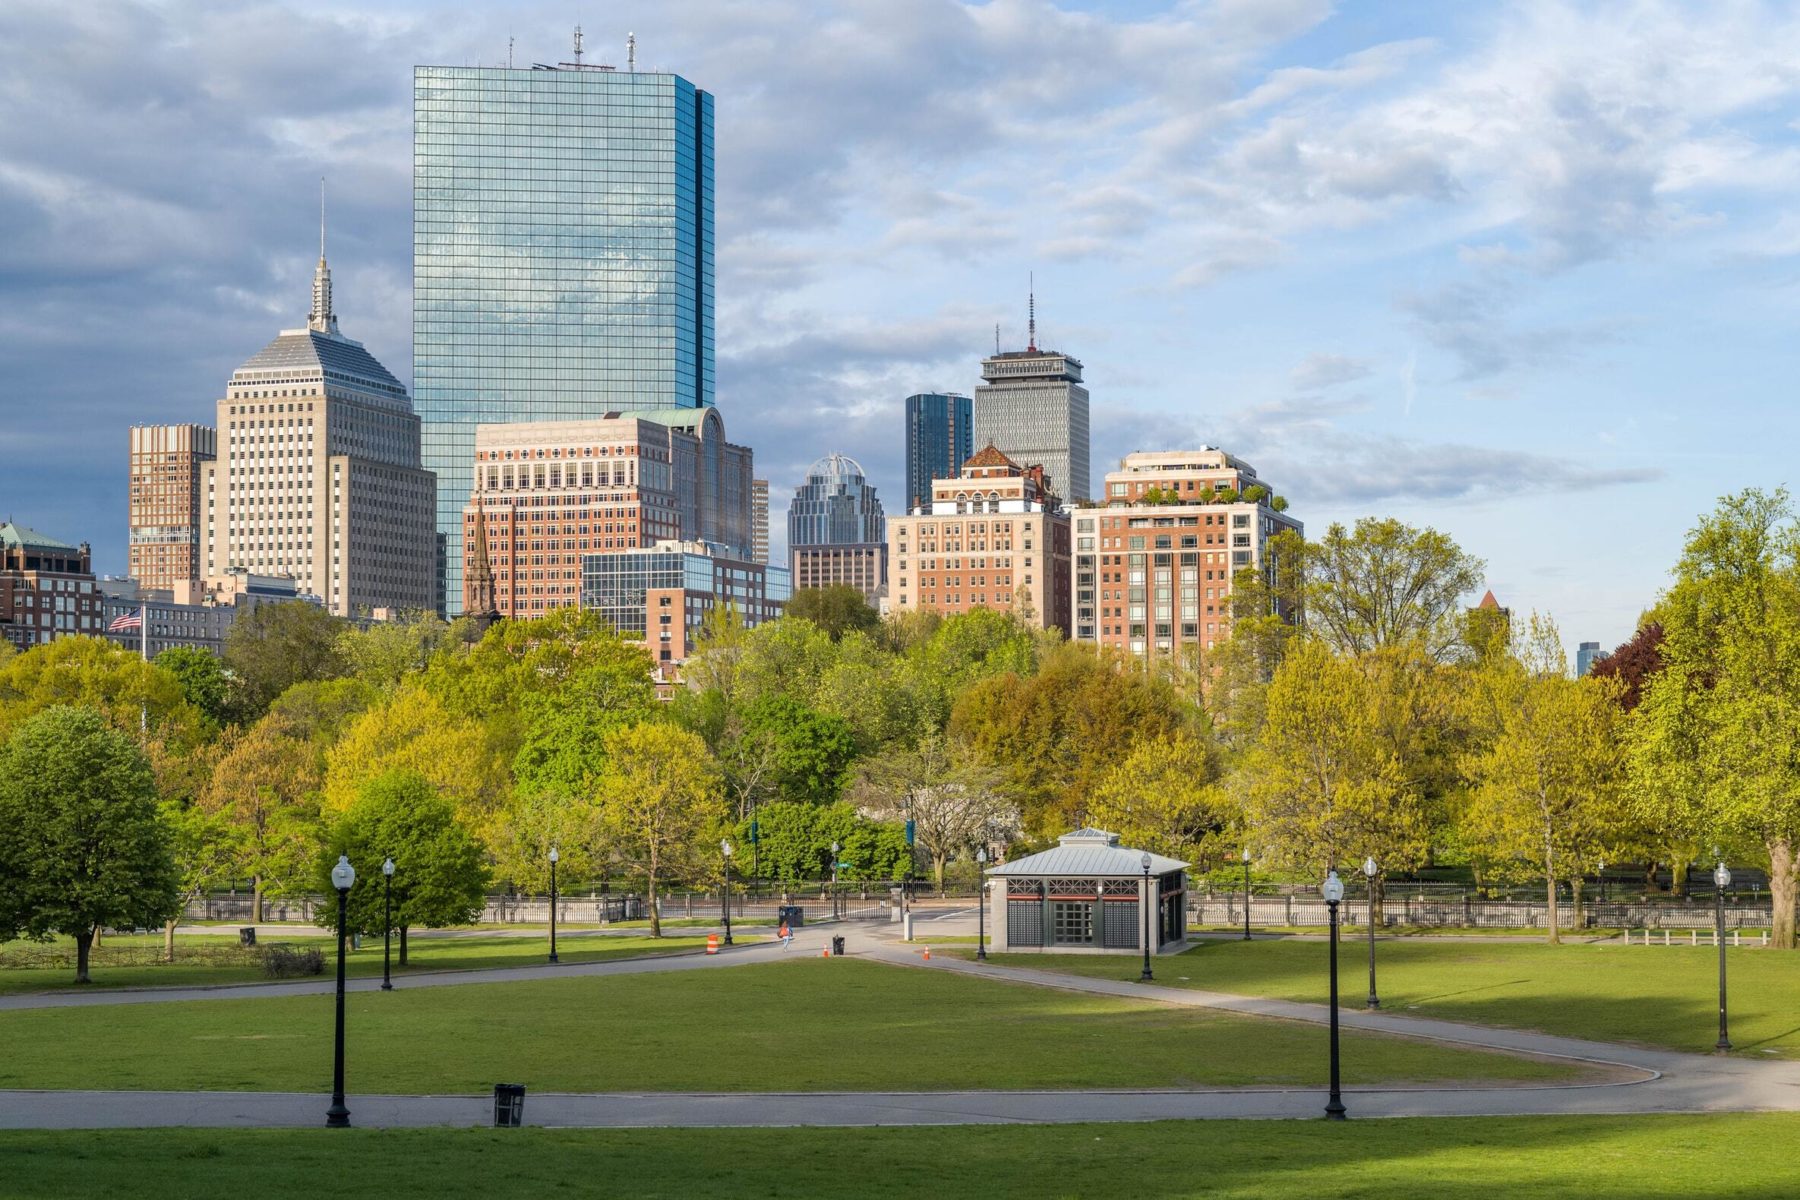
1335	1110
386	986
553	958
981	956
1146	977
1374	1003
1722	1045
337	1116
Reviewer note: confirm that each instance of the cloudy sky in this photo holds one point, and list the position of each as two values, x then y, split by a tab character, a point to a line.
1525	272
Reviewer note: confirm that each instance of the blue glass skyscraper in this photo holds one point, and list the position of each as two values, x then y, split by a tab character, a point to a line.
562	256
940	438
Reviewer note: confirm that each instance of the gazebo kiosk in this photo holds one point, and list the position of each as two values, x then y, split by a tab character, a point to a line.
1089	894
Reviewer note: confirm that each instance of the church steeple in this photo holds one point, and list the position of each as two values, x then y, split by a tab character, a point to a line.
322	318
478	581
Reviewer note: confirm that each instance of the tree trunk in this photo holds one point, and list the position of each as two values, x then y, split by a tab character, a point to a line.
1782	879
256	901
169	941
83	943
1576	921
1678	879
403	945
1650	878
655	915
1552	933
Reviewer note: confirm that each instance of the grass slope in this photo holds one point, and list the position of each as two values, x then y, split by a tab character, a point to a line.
1735	1157
805	1024
1652	995
424	954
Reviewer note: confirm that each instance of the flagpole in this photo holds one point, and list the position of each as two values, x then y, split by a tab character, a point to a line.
144	646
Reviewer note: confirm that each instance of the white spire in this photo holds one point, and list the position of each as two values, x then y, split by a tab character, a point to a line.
322	318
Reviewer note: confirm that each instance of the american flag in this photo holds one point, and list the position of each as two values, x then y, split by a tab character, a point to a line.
130	620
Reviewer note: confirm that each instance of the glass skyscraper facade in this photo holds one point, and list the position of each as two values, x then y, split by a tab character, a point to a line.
940	437
562	257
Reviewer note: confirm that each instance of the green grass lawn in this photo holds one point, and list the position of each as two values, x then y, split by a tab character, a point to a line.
1737	1157
1651	995
424	954
805	1024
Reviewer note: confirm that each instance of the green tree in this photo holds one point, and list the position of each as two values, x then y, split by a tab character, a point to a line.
1545	788
385	652
811	751
1716	740
94	673
271	647
84	846
205	847
1324	785
954	800
202	679
661	803
837	609
1166	796
265	787
439	878
1385	583
411	729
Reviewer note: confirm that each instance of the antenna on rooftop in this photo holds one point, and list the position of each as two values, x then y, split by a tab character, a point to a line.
321	218
509	51
631	52
1031	343
578	45
996	337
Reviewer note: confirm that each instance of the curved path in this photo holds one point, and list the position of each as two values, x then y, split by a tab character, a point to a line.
1640	1080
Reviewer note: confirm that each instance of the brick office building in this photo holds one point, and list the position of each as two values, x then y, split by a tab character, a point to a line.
47	588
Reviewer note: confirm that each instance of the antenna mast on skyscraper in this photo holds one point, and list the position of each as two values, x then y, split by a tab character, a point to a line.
631	52
509	51
321	218
578	45
1031	324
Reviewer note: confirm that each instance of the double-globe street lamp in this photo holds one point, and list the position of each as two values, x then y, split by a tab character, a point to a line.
981	891
1369	872
387	924
555	857
1144	861
725	892
342	876
1334	895
1721	881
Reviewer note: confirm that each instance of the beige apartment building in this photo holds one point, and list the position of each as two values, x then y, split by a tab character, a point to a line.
548	492
992	537
166	503
317	476
1153	569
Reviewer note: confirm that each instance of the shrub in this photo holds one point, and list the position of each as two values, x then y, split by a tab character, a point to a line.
286	962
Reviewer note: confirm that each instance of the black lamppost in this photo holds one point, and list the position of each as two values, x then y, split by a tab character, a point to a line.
1144	861
981	904
725	892
555	857
342	876
1721	881
1603	881
387	924
1334	895
834	880
1246	857
1369	872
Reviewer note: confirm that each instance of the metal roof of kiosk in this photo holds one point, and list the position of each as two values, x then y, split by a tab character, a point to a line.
1088	852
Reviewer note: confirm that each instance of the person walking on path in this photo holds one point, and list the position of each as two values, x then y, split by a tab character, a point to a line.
786	935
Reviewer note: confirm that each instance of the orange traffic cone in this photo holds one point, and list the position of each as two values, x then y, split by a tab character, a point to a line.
825	953
712	943
928	954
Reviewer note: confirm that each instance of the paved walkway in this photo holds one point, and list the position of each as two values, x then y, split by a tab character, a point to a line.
1635	1080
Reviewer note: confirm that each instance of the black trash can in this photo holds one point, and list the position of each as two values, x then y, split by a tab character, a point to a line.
247	936
509	1105
837	947
793	914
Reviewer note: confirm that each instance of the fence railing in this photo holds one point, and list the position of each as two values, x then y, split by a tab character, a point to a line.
1273	911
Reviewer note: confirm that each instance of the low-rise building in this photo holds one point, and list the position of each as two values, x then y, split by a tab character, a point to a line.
1088	894
661	595
1153	570
47	588
992	537
197	614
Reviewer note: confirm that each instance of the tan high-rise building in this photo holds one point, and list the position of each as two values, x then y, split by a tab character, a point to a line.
317	476
166	502
759	520
1154	569
549	491
990	538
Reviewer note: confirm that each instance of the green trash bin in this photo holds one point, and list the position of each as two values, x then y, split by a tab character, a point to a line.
509	1105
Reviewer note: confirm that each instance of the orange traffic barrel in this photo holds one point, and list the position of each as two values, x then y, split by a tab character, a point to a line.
712	943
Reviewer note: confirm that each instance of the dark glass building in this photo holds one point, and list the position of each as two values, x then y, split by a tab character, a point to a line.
562	256
940	438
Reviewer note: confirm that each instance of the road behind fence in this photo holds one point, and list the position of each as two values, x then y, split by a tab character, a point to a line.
1467	912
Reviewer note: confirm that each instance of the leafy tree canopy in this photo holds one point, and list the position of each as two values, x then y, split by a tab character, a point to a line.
439	878
271	647
837	609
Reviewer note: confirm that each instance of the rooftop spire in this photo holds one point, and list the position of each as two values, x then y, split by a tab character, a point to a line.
322	318
1031	323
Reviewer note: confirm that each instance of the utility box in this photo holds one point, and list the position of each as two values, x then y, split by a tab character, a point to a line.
509	1105
793	914
247	936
